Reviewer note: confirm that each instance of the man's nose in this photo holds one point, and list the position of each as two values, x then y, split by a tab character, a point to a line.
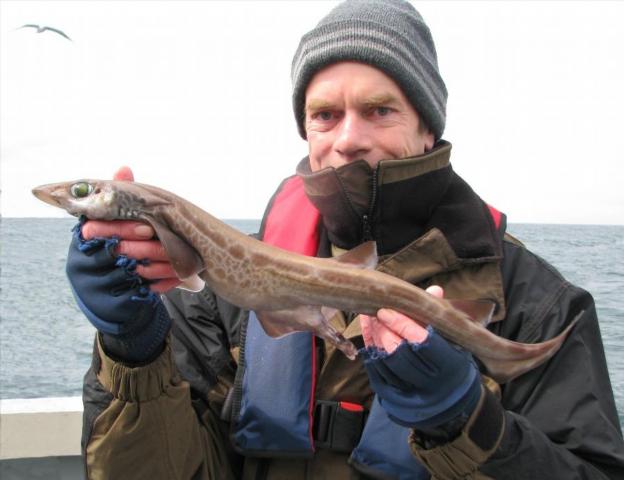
353	140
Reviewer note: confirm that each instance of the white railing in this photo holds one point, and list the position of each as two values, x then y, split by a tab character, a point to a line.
40	427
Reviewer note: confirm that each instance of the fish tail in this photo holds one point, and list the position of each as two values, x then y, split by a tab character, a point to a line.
503	370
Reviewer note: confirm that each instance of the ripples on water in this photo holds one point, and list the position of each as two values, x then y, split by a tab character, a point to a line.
46	344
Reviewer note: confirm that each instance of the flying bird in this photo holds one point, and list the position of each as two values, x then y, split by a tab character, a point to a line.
43	29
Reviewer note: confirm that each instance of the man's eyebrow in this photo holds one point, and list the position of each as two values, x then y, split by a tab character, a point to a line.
380	100
317	104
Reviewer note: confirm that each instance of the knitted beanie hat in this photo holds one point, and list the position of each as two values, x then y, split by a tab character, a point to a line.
387	34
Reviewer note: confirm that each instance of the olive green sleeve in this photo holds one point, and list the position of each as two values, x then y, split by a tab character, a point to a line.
149	430
478	440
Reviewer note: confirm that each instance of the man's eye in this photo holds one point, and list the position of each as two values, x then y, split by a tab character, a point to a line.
325	116
382	111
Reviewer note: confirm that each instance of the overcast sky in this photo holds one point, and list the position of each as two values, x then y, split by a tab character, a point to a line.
195	96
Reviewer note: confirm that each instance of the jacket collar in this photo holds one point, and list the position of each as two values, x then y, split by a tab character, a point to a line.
402	200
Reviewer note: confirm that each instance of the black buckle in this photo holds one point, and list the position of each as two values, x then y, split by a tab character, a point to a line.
338	426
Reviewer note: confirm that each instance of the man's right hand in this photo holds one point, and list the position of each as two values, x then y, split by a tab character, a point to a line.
136	240
116	270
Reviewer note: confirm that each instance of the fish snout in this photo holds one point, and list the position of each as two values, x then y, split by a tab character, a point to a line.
47	194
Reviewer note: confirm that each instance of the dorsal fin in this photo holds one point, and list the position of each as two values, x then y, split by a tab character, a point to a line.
479	311
362	256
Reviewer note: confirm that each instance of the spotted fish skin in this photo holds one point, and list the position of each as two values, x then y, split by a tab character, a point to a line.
288	291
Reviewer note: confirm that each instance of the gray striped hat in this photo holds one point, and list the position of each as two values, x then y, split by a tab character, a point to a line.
387	34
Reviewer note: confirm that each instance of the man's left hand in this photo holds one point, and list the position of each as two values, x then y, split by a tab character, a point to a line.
422	381
390	328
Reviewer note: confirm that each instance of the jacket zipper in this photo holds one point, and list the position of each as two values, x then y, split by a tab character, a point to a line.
367	231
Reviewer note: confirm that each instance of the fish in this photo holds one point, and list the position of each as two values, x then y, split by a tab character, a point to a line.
290	292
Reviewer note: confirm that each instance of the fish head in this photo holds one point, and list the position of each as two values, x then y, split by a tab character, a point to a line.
124	200
96	199
104	199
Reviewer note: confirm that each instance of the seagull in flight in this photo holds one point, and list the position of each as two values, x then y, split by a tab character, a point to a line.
43	29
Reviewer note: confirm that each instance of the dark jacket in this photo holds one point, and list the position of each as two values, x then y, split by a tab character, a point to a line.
169	419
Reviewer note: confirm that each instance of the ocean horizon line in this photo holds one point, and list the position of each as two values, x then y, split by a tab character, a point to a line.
251	219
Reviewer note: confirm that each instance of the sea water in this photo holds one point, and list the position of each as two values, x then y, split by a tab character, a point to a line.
46	342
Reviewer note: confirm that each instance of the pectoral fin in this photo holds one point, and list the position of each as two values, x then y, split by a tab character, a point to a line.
184	259
277	323
192	284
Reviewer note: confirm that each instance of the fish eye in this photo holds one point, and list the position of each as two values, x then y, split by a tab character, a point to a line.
81	189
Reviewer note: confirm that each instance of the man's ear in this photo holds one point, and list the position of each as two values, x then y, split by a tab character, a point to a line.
427	134
429	140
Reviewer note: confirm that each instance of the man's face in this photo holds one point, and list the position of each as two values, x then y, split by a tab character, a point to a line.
354	111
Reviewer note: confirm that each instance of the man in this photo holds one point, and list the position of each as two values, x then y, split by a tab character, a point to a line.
198	390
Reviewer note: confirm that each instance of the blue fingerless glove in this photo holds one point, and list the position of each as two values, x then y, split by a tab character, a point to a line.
426	385
132	320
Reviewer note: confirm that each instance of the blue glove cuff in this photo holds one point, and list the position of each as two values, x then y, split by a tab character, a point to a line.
146	340
424	385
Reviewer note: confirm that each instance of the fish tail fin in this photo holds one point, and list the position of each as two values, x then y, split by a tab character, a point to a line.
506	370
